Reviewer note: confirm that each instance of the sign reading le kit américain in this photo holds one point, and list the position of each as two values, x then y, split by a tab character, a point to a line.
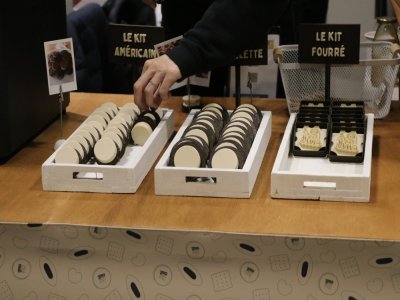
329	44
132	43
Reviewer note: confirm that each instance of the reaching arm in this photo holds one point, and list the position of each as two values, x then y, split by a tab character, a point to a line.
226	28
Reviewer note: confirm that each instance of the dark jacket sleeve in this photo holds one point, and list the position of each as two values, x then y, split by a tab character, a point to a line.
226	28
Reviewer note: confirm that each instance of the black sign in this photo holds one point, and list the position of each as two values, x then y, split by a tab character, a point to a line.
329	44
132	43
253	57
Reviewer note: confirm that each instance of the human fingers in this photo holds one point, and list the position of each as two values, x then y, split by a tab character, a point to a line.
163	91
150	91
173	74
138	94
154	72
140	85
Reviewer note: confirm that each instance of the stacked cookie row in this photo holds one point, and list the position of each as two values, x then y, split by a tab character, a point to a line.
216	139
107	132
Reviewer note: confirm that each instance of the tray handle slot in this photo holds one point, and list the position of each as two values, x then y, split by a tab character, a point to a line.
199	179
88	175
323	185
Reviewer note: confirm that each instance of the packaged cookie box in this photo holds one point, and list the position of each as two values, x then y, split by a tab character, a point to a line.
123	177
319	178
213	182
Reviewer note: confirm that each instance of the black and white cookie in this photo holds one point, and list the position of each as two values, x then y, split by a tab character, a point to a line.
189	153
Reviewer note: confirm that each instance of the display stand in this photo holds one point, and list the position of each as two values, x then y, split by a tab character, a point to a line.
237	85
315	178
61	100
60	141
327	82
248	58
329	44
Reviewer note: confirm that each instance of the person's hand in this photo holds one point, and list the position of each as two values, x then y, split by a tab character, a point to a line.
396	8
152	87
151	3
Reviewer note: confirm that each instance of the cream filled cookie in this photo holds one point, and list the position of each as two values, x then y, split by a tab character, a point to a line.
140	133
106	151
67	155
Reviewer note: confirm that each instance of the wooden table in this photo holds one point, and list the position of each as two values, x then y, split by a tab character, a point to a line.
23	200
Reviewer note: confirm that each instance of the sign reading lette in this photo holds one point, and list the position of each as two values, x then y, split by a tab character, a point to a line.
253	56
329	44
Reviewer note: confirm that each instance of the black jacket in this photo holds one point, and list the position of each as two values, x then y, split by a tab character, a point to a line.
226	28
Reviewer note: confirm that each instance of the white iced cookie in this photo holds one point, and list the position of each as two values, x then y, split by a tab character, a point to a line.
67	155
250	106
160	112
129	111
213	105
225	158
125	117
88	136
105	150
99	119
347	143
214	109
82	141
78	147
102	114
111	106
187	156
141	131
120	129
207	122
232	134
225	144
242	115
132	106
310	138
199	133
234	129
94	128
198	139
115	137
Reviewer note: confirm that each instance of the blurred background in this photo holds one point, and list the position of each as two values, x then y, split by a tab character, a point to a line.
101	75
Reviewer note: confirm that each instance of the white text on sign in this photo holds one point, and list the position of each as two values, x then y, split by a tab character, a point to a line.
134	37
330	36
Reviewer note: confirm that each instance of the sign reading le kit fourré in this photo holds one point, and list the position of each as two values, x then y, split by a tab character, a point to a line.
329	44
131	43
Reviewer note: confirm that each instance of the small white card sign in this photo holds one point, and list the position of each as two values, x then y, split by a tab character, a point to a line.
60	62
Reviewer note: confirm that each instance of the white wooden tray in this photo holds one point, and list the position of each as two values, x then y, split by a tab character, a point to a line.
124	177
213	182
317	178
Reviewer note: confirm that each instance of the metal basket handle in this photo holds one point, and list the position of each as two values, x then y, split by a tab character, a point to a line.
395	49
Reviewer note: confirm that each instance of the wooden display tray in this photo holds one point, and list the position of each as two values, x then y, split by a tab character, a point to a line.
213	182
317	178
124	177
